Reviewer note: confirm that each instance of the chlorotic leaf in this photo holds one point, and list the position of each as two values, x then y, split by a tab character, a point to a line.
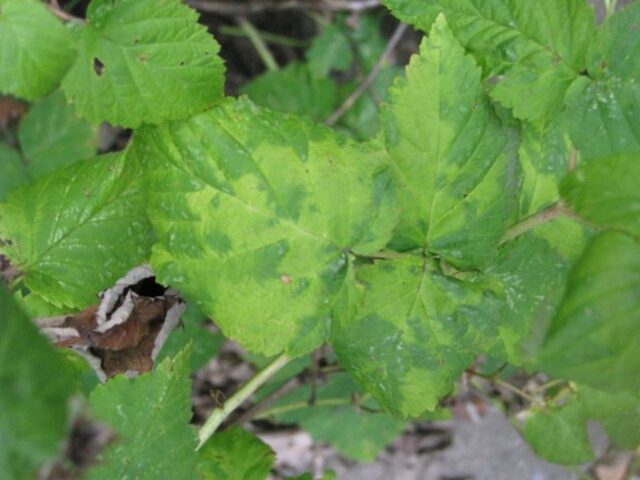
294	89
605	192
143	61
36	49
593	339
75	231
235	454
52	135
602	111
245	196
454	167
533	275
544	158
13	171
559	435
150	415
408	332
35	387
334	419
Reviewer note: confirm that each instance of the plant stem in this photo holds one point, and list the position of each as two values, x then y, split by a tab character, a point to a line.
611	7
539	218
258	43
220	414
370	80
266	36
55	8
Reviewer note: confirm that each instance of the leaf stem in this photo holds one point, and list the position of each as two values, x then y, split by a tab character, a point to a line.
220	414
539	218
266	36
257	41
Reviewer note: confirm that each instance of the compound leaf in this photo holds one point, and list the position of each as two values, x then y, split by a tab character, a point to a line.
75	231
143	61
593	339
245	196
52	135
36	49
35	387
605	192
407	332
454	166
235	454
150	415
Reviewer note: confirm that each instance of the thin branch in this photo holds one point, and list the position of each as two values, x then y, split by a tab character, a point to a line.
543	216
54	7
370	79
573	159
291	385
231	7
266	36
258	43
220	414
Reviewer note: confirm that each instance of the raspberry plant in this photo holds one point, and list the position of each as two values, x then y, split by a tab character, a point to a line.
495	213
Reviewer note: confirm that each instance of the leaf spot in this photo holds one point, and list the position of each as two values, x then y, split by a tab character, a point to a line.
286	279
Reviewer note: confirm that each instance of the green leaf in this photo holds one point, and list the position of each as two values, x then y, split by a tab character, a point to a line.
408	332
618	412
36	49
143	61
331	50
603	114
204	344
559	435
539	46
35	387
235	454
334	419
76	231
534	94
13	172
594	337
605	192
242	196
614	51
454	166
52	135
150	415
294	89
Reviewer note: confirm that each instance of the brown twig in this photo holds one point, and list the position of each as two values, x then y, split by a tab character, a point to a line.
54	7
231	7
370	79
